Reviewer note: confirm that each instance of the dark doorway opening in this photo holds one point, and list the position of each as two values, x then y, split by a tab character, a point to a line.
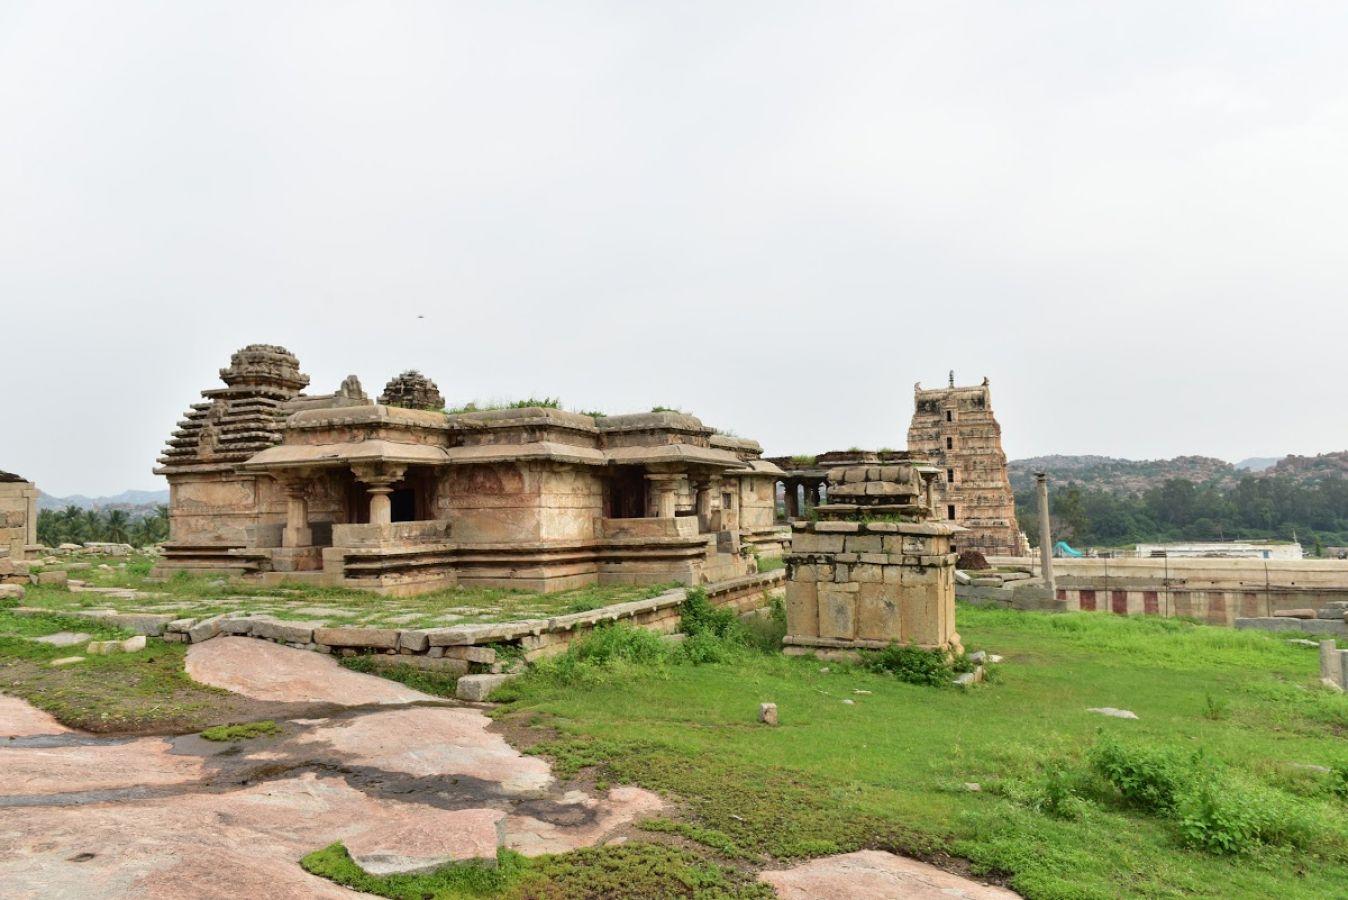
404	505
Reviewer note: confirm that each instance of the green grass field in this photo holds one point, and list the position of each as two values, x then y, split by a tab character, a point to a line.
1253	754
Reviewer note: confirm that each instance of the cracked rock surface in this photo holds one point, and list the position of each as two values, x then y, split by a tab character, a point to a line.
390	770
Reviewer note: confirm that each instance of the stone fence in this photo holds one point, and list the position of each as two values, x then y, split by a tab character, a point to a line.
456	649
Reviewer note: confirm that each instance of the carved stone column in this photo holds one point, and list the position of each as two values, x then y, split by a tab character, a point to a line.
297	531
792	499
379	480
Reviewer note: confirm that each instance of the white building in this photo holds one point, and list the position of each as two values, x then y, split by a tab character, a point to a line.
1224	550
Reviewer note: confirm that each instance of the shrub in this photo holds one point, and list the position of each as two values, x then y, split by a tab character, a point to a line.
1150	778
911	664
1223	815
699	616
765	633
1216	709
1059	799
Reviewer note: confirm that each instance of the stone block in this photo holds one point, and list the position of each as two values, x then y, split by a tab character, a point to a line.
421	661
290	632
837	527
178	626
802	609
863	543
483	655
54	578
478	688
1268	623
878	613
837	614
152	624
767	713
415	641
242	625
205	630
11	592
868	574
1294	613
368	638
133	644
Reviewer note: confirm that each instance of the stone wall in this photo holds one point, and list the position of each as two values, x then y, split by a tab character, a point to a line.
18	515
1217	591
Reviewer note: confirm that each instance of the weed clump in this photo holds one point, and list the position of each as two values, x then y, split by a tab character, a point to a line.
915	665
244	731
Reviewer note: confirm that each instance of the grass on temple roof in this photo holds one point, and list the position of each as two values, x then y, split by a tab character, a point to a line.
492	405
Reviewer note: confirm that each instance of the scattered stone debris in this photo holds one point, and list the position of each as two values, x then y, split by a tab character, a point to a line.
767	713
973	787
849	701
1302	642
63	638
1112	712
66	660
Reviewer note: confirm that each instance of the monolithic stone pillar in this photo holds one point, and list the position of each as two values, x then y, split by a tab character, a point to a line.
792	500
297	532
812	495
1045	531
664	487
1331	664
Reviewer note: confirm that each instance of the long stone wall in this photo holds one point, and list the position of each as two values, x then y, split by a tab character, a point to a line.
1218	591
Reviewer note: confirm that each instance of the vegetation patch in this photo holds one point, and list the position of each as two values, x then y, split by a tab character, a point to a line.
629	871
916	665
1247	803
244	731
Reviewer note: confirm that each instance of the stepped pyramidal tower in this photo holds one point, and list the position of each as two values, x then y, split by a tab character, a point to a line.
956	429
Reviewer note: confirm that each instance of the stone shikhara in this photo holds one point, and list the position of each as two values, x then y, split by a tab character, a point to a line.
874	570
402	497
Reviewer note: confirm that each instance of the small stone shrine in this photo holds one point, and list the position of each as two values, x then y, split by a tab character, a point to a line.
874	569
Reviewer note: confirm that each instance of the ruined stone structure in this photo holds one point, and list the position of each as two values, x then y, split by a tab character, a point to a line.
18	515
874	569
956	429
400	496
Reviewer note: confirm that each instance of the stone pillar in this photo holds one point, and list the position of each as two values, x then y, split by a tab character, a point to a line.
1045	531
297	531
812	495
379	480
792	500
702	493
30	525
1331	663
664	488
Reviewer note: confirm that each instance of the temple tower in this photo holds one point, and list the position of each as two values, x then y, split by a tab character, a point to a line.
956	429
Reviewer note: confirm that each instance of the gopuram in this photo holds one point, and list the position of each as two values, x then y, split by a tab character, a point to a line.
400	496
874	568
955	428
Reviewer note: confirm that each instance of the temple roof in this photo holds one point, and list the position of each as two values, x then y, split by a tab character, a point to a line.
290	456
10	478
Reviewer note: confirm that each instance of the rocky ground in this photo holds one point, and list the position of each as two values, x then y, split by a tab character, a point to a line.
401	778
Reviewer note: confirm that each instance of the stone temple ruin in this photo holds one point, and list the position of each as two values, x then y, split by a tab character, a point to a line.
874	569
401	497
18	515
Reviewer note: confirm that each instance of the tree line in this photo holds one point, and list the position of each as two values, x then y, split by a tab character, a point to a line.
1256	508
73	525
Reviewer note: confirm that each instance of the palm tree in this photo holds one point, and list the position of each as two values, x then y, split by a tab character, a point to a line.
115	526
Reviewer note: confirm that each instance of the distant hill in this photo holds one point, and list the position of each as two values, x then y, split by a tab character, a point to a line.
1129	476
128	500
1126	476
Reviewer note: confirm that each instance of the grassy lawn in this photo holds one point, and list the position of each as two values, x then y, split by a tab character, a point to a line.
199	596
1211	792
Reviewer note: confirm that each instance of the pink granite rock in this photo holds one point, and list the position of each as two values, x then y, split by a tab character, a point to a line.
437	837
876	875
266	671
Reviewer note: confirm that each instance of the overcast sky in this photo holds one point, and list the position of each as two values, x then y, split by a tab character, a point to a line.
1132	217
